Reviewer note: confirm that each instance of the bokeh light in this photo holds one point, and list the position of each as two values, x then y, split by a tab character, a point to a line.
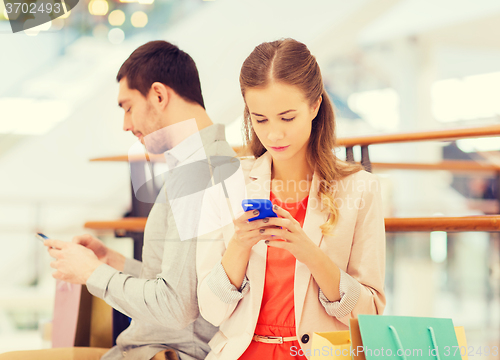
116	36
116	18
98	7
139	19
3	11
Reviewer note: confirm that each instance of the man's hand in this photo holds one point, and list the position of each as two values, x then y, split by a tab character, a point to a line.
103	253
74	263
94	244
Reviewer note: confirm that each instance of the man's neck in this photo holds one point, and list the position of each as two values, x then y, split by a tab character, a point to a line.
186	121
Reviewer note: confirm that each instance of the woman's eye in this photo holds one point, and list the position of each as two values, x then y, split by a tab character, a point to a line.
288	119
129	109
261	121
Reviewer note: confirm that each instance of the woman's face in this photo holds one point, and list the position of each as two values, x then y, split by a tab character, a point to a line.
282	119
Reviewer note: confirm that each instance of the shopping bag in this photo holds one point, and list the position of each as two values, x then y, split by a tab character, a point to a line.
333	345
375	337
71	320
359	355
462	342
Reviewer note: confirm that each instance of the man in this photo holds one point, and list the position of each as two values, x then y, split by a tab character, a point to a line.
160	92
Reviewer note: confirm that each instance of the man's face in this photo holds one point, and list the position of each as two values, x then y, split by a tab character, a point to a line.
141	118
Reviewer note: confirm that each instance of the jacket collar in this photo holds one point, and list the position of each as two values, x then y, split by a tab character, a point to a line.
260	188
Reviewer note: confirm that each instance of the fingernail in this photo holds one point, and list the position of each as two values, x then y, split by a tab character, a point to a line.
267	242
275	207
266	220
262	231
256	212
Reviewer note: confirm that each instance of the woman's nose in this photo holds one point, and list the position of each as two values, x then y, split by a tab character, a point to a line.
276	134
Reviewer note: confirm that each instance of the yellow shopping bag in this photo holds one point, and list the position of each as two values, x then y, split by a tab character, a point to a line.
333	345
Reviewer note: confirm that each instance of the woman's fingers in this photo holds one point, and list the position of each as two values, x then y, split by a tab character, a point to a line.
277	233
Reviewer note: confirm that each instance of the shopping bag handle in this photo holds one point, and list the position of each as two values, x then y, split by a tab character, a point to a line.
398	341
400	345
434	342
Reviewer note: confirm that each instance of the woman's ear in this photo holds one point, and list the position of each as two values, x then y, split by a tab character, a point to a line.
317	106
159	95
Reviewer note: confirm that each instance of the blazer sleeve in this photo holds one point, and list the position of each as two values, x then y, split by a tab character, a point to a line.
217	297
362	285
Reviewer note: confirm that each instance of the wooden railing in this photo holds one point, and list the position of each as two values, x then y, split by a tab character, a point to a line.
449	165
419	224
440	135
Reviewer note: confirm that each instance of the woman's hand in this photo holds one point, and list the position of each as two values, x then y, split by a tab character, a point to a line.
248	233
294	238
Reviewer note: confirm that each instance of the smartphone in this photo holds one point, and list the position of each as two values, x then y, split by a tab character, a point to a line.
265	207
41	237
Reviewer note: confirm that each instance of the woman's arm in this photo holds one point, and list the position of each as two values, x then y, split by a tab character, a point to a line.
221	270
246	235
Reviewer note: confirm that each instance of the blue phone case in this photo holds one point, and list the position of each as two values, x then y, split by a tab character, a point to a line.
265	207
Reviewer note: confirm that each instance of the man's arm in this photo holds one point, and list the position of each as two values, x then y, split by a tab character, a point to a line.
170	298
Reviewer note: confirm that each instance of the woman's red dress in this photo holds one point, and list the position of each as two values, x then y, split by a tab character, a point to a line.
277	315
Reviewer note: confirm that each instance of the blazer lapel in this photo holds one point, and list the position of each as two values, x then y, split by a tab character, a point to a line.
313	220
258	188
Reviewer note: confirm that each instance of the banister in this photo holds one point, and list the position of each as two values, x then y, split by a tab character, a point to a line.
487	223
450	165
446	134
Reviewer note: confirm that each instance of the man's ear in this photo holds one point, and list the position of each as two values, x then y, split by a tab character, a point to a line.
159	94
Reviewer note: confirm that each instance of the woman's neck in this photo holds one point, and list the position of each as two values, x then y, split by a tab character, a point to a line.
295	169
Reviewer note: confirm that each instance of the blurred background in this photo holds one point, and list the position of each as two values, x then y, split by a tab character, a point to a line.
389	65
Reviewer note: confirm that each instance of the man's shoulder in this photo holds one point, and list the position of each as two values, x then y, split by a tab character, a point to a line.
220	148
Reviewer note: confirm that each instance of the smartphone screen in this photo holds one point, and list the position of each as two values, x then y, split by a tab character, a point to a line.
41	237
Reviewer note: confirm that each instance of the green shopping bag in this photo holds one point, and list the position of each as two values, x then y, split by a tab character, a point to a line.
405	338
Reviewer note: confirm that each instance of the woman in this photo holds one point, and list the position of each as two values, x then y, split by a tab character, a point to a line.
271	283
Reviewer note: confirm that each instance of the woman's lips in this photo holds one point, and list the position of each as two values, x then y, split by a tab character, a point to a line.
281	148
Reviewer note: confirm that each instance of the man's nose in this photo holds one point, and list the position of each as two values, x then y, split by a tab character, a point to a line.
127	124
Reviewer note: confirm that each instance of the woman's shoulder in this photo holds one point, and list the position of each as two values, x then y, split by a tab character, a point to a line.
247	163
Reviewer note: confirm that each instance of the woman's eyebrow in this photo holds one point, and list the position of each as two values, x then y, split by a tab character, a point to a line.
282	113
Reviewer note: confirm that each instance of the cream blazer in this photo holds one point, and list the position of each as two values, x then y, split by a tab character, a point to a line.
357	247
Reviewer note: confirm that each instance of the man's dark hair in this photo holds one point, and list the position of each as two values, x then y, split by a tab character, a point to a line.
160	61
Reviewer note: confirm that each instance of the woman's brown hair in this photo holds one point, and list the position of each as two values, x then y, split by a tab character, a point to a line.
289	62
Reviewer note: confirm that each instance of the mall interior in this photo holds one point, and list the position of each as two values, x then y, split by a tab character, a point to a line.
417	82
